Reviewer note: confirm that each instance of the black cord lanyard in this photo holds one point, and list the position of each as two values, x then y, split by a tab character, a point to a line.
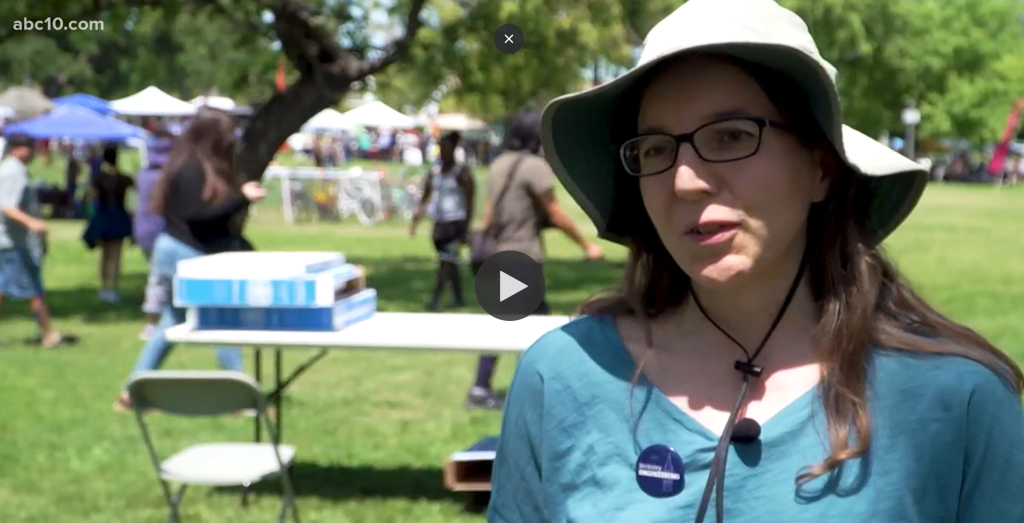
716	476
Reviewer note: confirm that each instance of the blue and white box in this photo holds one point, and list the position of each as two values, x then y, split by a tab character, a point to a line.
262	280
346	312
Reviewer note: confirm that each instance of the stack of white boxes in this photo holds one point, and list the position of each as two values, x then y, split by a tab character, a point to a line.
276	291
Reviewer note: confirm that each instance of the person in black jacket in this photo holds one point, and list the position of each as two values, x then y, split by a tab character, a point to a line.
199	198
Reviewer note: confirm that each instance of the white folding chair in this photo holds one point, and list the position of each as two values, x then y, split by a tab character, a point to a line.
212	393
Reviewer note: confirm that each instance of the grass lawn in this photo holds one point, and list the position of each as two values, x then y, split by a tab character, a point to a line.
372	428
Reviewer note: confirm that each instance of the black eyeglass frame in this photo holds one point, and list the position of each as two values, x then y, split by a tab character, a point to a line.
680	139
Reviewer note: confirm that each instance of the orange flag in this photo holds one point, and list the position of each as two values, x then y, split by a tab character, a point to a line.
279	80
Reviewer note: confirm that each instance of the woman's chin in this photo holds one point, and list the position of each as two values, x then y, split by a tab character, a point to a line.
721	272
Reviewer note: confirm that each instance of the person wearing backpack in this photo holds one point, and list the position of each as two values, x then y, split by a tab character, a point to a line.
520	205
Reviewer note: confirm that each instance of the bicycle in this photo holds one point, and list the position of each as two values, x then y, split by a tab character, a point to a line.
359	196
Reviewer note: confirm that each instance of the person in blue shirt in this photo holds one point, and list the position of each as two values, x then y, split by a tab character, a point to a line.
762	361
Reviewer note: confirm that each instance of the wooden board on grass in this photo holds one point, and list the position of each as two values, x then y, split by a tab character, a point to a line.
470	470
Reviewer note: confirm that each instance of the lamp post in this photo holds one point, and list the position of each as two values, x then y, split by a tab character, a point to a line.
911	117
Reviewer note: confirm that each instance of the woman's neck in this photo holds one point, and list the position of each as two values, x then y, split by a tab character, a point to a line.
747	310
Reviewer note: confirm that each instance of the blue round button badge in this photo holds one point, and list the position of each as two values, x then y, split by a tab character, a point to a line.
660	471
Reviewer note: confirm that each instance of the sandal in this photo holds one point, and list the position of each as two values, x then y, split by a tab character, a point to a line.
58	340
123	403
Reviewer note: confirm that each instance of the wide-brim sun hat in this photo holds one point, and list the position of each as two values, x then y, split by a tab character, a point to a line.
577	129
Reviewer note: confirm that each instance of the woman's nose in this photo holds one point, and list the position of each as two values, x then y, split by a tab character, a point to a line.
691	177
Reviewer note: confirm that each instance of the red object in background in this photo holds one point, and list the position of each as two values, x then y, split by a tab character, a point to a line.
279	80
995	167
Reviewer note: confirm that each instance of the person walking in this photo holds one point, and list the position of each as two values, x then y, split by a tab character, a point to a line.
449	192
199	197
147	225
23	241
111	223
520	205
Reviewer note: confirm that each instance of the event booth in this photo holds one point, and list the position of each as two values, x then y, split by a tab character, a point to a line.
151	101
87	101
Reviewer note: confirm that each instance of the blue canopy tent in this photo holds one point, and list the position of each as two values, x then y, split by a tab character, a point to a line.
78	123
85	100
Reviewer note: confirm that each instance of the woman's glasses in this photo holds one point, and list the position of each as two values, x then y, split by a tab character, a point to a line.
716	142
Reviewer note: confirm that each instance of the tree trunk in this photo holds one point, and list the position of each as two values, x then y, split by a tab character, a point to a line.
278	119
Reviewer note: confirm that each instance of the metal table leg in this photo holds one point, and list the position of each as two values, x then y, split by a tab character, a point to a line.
258	376
257	436
278	398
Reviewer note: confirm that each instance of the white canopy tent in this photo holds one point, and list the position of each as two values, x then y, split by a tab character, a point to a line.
378	114
151	101
26	102
328	120
459	122
217	102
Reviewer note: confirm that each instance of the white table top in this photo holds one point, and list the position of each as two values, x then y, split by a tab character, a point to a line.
394	330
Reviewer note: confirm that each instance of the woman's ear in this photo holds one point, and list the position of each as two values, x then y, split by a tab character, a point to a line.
828	169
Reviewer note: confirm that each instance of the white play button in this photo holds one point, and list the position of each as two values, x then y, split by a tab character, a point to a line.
508	286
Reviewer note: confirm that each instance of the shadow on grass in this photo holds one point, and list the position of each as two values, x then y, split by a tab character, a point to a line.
340	482
83	303
405	283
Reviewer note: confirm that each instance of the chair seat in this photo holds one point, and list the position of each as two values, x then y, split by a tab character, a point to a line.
225	464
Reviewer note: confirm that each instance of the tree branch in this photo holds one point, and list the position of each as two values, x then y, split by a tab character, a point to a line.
399	47
242	23
309	48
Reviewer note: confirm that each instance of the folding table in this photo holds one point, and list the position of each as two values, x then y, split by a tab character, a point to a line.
386	330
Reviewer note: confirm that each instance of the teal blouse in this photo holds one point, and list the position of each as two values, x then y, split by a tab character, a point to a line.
947	445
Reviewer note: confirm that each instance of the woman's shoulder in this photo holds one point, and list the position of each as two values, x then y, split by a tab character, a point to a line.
588	343
911	374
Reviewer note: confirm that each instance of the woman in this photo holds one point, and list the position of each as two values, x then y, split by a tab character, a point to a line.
449	190
148	225
111	223
199	198
758	324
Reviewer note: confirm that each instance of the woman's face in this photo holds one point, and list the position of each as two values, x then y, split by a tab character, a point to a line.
722	222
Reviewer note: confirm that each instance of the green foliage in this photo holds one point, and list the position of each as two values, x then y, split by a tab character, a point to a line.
563	38
955	57
186	50
960	59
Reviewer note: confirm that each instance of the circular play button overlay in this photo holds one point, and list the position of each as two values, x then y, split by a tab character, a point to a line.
510	285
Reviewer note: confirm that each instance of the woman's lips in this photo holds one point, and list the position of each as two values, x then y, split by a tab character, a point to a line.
710	234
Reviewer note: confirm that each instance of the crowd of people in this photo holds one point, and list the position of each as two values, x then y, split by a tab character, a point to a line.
189	204
413	147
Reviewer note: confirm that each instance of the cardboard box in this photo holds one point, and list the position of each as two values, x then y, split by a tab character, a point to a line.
269	289
470	469
350	309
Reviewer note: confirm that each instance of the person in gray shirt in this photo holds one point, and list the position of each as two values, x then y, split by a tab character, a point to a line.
23	237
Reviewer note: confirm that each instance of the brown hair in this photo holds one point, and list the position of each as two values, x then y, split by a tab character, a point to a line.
862	299
210	138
